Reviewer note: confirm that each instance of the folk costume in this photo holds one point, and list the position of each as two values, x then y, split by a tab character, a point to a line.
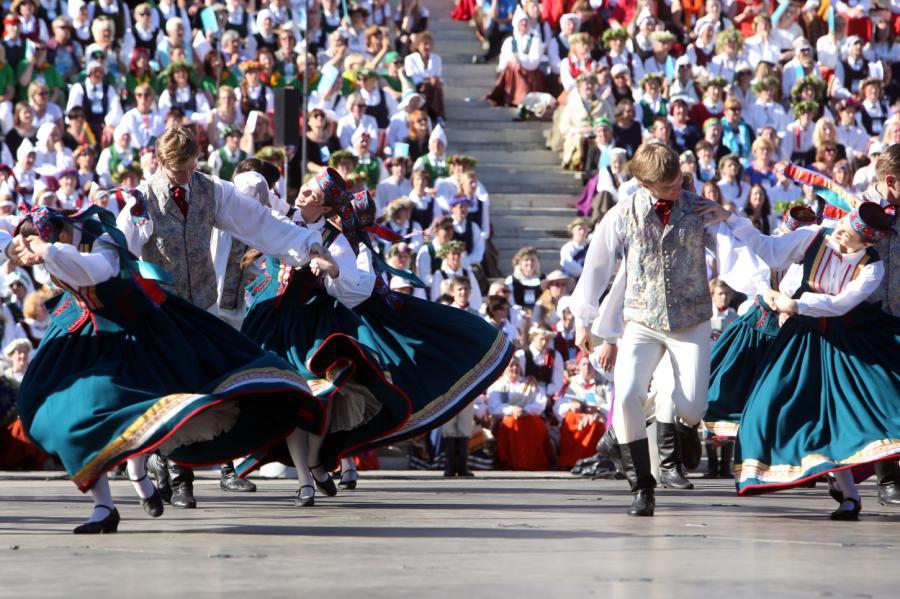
441	357
738	352
127	368
309	321
831	374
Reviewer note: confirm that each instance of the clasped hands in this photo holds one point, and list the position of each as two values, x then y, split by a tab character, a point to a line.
321	262
779	302
27	251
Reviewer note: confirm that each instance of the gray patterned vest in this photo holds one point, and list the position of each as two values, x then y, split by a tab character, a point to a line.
182	246
888	293
666	285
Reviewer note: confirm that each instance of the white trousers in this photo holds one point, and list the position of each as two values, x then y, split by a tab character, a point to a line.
639	355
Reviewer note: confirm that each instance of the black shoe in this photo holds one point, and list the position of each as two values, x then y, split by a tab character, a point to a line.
230	481
307	501
690	449
450	456
108	525
183	496
834	491
636	460
327	486
348	479
844	514
671	471
479	59
888	475
156	465
609	448
153	505
644	503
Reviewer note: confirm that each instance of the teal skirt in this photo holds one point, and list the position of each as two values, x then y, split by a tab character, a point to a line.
179	380
327	344
736	357
826	399
441	357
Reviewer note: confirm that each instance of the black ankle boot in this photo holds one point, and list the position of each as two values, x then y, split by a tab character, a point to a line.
609	448
230	481
888	476
725	470
636	460
158	467
182	486
712	460
671	471
462	457
450	456
690	449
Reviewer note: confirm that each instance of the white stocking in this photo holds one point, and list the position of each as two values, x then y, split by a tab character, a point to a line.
845	483
315	444
102	497
298	447
137	473
348	469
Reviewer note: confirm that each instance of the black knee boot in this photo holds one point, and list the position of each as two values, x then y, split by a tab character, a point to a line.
462	457
888	476
712	460
690	448
182	486
671	471
609	448
725	470
450	456
636	460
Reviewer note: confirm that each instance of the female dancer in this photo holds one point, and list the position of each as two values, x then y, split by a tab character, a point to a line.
304	315
737	354
825	397
126	368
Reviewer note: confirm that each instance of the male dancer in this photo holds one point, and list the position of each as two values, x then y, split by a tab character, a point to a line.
663	233
173	226
886	191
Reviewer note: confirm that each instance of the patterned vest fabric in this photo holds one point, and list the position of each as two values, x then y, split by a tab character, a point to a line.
888	293
666	287
182	246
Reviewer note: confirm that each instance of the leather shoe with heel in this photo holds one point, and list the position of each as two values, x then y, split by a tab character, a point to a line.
157	466
326	485
108	525
153	505
888	475
308	500
847	515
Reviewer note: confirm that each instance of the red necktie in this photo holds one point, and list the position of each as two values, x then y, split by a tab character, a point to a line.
179	195
663	211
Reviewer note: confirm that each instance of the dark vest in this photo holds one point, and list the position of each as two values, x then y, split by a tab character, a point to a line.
380	111
521	290
467	236
542	374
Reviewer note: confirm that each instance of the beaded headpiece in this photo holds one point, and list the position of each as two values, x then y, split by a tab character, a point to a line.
864	219
331	183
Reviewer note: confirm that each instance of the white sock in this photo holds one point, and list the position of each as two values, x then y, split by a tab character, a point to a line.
298	447
137	472
102	497
844	479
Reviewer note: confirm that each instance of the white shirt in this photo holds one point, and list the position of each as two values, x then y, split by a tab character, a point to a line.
555	385
76	98
839	294
143	127
528	56
347	126
389	190
759	115
440	282
504	396
244	218
416	69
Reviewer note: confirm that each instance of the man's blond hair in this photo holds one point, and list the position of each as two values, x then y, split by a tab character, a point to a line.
655	163
888	163
176	146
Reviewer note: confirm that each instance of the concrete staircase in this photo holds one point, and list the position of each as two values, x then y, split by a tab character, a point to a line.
532	199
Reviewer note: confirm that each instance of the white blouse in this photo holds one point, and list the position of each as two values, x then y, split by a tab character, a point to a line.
418	71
